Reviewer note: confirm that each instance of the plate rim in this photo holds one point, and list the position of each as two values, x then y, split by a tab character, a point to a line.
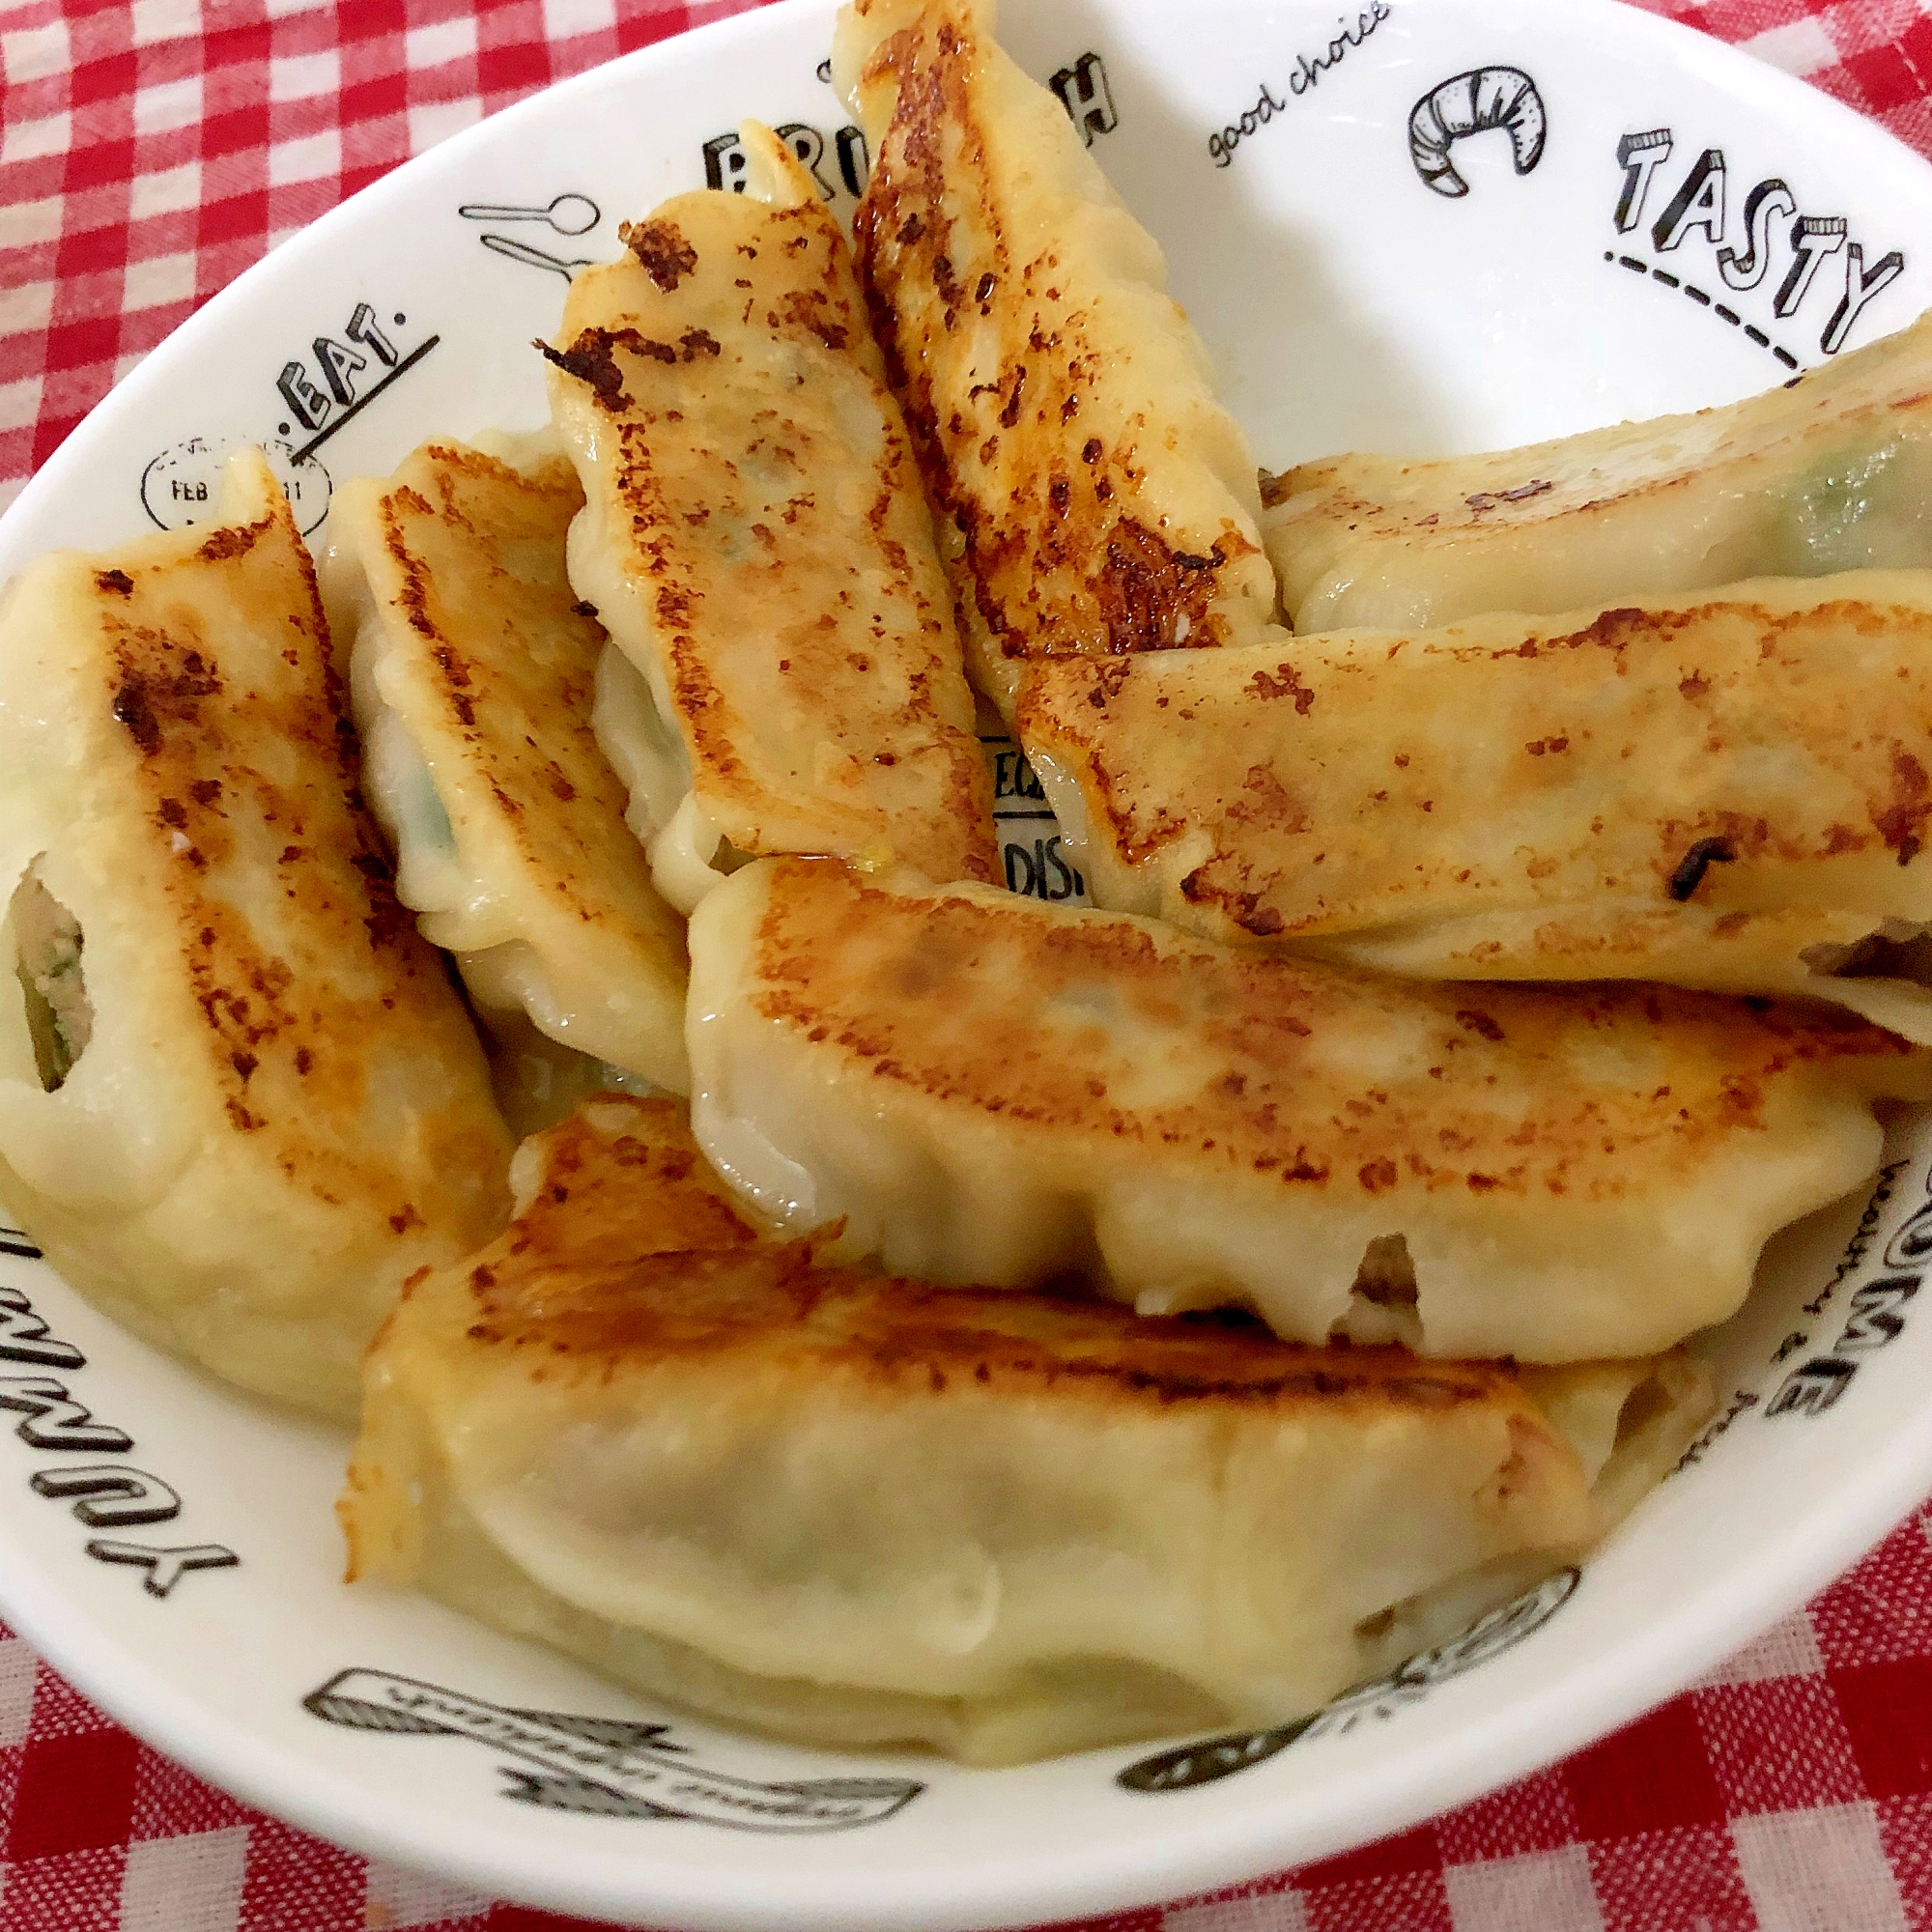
1213	1843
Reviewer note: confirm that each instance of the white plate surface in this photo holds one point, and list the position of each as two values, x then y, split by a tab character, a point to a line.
1348	301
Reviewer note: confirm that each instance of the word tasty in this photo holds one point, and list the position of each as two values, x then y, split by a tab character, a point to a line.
1765	247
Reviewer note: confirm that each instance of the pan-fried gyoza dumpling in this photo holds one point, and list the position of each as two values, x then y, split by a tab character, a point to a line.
239	1100
473	670
1731	792
538	1082
991	1090
1832	473
1094	496
635	1431
754	538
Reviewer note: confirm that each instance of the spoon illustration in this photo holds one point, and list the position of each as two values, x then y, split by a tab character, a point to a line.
537	258
568	213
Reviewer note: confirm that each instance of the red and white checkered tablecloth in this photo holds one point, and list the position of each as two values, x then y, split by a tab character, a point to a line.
149	150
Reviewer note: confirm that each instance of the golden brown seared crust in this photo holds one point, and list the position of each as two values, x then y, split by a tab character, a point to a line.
446	516
617	1181
490	662
264	868
855	1488
620	1178
1206	1061
1101	498
772	1305
766	548
1681	754
628	1252
279	1107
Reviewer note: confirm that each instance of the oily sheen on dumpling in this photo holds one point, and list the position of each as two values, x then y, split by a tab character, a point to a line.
986	1088
1094	496
1831	472
787	674
239	1100
1729	791
635	1430
473	670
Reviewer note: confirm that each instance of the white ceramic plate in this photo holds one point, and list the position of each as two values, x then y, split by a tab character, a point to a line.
1309	203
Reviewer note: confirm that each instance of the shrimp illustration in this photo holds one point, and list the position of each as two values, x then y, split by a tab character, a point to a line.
1472	104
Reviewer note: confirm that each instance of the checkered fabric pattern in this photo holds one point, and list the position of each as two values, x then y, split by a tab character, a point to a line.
1791	1791
1875	56
149	150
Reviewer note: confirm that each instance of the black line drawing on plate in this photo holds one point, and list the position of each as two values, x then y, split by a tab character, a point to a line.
54	1420
1307	73
609	1766
165	1568
1088	98
1701	297
111	1496
1036	866
726	162
23	1335
1407	1685
313	403
841	165
1774	248
106	1495
537	258
1472	104
567	214
180	485
360	403
1876	1314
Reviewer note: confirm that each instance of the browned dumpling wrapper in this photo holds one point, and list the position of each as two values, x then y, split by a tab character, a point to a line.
987	1090
788	675
1830	472
1731	792
473	672
1094	497
638	1431
239	1100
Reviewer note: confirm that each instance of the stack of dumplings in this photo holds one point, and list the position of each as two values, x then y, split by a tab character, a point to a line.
784	674
1095	495
1727	791
1829	473
1096	1525
474	671
917	1314
239	1100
